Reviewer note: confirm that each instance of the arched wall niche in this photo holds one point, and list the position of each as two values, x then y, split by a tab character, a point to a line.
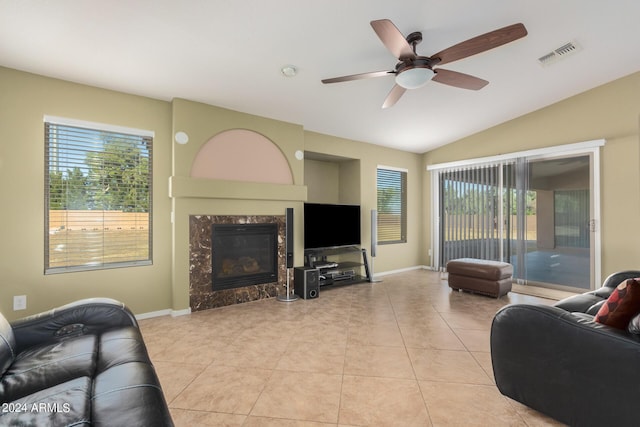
242	155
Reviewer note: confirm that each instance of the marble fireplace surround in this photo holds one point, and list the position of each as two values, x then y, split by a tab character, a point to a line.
201	294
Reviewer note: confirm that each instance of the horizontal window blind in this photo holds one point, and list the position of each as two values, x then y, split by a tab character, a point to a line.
98	198
392	205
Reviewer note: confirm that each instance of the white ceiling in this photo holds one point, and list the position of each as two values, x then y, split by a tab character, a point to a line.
229	53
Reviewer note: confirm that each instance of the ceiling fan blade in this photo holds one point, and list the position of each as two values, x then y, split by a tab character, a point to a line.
358	76
396	92
393	39
461	80
481	43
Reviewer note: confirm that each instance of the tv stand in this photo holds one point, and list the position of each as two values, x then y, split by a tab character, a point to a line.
339	266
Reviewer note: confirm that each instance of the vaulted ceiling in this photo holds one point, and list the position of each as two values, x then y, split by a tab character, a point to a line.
230	54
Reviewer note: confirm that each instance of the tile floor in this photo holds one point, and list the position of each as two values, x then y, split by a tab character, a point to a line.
404	352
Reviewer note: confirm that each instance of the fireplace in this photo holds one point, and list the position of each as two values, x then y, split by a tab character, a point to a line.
243	254
202	295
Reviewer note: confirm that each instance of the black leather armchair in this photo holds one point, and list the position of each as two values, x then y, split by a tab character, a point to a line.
558	361
84	363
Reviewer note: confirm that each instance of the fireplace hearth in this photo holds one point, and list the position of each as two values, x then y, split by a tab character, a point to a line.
243	254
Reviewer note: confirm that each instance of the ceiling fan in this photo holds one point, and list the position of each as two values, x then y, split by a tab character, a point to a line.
413	71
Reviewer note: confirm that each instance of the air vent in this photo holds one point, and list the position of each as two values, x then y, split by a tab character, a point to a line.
562	52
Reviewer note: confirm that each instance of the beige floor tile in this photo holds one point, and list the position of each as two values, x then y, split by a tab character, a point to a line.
262	354
186	418
430	319
532	417
300	396
180	351
447	366
224	389
282	422
369	401
365	334
175	377
311	357
378	361
468	405
484	359
421	336
277	333
329	332
372	312
475	319
406	351
474	340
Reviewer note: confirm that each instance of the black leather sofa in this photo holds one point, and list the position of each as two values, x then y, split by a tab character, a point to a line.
84	363
558	361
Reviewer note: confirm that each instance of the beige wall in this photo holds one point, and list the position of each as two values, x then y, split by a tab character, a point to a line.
350	188
611	112
323	181
24	100
390	257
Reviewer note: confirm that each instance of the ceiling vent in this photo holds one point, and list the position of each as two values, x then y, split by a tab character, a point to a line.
564	51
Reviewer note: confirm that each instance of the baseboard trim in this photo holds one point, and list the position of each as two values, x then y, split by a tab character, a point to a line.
176	313
165	312
152	314
401	270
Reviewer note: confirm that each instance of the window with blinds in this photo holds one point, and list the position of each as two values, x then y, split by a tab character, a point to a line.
392	205
98	196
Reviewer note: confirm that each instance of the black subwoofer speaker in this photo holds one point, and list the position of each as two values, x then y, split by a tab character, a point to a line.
306	282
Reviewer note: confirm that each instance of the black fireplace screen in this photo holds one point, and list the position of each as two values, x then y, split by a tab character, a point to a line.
243	255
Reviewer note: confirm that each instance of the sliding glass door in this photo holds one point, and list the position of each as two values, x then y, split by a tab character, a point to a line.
559	244
537	212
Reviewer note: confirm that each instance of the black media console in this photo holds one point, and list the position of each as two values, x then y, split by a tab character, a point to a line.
339	266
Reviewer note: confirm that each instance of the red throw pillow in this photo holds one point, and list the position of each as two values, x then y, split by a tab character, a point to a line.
621	306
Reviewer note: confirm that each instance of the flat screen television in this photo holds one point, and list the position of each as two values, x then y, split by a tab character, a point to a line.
331	226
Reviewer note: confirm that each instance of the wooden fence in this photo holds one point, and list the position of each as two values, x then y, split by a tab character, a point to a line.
78	220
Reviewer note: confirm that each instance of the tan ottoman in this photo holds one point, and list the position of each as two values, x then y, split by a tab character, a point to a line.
492	278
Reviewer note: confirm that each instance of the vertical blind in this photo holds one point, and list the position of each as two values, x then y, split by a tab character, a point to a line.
470	213
483	212
572	218
98	198
392	205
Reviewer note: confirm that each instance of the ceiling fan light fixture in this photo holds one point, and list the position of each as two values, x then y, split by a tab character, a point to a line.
413	78
289	70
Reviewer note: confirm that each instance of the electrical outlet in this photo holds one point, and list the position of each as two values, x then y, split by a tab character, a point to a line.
19	302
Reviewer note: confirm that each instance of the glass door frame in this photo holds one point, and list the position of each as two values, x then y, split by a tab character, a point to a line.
587	148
